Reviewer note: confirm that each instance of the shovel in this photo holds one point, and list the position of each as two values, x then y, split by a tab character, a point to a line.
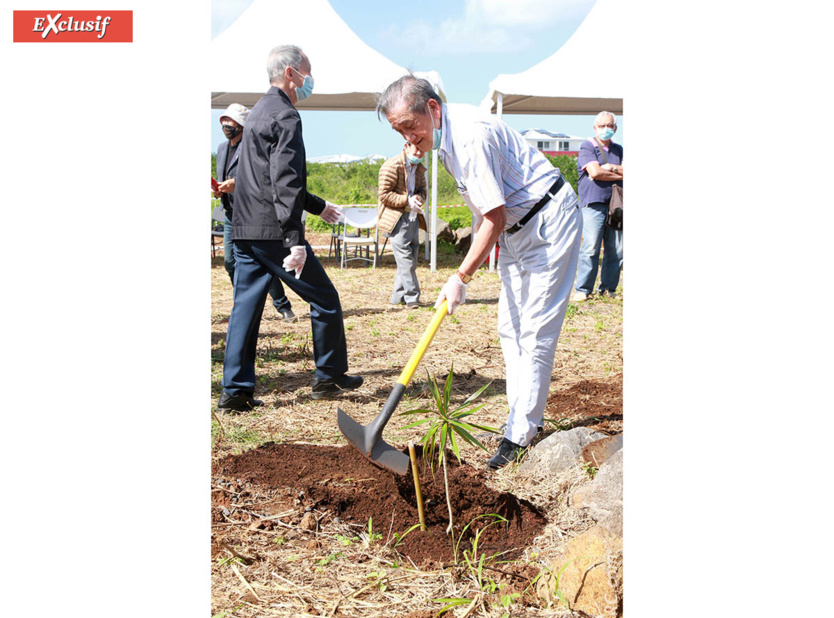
368	439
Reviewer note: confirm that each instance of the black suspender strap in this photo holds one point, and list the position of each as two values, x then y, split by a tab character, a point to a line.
532	212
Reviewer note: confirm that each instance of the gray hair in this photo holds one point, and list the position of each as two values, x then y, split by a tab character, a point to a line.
601	114
414	91
280	58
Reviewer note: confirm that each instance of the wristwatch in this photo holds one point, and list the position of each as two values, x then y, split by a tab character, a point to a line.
465	278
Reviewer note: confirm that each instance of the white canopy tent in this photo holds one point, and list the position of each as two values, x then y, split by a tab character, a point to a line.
348	72
574	80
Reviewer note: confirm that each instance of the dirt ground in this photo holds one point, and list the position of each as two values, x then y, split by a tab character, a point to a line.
304	525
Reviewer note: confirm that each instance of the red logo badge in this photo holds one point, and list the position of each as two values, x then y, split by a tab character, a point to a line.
73	26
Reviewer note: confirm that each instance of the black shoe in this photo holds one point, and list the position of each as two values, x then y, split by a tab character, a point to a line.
413	304
322	388
508	452
241	402
289	316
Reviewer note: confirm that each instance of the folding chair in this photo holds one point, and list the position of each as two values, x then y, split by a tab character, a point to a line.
362	220
335	242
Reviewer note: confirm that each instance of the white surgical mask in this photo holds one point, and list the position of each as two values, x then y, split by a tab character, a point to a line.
605	133
306	88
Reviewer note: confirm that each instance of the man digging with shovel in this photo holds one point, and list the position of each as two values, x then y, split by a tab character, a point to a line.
519	199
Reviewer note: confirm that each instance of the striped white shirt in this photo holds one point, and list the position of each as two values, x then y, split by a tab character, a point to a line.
492	163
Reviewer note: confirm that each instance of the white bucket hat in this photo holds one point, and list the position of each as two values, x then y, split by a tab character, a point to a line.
236	112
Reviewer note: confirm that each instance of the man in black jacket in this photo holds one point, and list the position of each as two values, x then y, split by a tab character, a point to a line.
270	196
232	121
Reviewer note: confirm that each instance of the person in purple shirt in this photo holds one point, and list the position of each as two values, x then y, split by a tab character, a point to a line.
600	165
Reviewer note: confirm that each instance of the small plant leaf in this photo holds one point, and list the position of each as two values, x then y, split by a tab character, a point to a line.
417	423
454	442
470	438
450	604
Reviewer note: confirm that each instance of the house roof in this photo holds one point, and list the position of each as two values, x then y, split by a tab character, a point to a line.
543	133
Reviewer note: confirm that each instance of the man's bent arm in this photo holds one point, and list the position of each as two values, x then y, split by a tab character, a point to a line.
491	227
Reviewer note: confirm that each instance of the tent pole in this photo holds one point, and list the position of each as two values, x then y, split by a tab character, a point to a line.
434	210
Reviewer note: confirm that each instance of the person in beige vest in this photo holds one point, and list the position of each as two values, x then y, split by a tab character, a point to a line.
402	193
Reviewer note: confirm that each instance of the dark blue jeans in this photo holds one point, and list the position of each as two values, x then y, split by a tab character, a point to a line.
258	262
276	290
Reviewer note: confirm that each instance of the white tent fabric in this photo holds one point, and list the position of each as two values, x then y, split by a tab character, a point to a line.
574	80
348	72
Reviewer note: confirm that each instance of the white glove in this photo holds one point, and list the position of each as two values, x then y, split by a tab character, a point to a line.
295	260
331	213
454	291
415	203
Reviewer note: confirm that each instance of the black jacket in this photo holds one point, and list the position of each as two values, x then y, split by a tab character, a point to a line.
227	199
271	181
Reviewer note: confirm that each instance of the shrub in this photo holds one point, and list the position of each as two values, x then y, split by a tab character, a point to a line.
567	166
356	183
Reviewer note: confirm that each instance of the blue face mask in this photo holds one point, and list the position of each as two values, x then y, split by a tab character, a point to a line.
306	89
435	133
414	160
605	134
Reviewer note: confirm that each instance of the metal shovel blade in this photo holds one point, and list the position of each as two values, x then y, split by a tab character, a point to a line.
376	449
369	439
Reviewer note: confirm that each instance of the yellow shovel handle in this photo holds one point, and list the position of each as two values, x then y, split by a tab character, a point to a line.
417	355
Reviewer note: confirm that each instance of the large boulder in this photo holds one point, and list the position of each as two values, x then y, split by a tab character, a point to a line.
558	452
463	239
604	496
588	576
444	231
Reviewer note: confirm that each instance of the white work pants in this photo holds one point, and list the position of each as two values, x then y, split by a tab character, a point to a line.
537	266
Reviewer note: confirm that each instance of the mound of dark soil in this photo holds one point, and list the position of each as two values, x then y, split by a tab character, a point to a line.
343	483
597	404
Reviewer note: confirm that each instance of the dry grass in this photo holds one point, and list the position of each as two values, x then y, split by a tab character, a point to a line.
303	573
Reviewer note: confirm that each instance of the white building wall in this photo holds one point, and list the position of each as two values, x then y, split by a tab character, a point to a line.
553	143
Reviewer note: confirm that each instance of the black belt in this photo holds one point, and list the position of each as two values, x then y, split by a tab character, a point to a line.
531	213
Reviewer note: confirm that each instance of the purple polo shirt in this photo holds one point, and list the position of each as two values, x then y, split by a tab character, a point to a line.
590	190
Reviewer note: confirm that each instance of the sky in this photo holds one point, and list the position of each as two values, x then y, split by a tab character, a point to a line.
469	42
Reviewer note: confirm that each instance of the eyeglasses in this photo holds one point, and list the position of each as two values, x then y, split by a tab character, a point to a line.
610	125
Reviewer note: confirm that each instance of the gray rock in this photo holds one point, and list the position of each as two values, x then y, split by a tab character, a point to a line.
558	451
604	496
444	231
463	239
